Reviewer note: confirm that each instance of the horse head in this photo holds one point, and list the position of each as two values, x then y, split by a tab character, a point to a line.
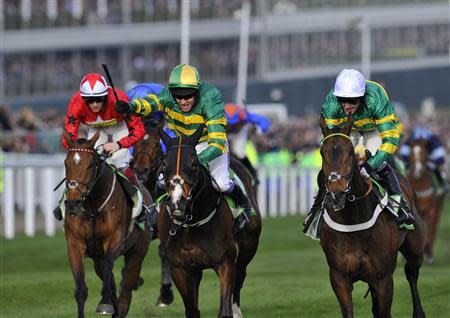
338	163
82	163
181	170
147	156
418	158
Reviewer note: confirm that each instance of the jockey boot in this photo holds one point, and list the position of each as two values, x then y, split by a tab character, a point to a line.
58	213
405	218
441	180
241	200
316	207
129	173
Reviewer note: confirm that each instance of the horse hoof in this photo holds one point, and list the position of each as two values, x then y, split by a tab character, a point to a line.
429	259
165	296
237	313
105	309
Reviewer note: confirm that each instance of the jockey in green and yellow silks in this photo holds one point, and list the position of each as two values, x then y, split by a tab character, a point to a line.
187	103
375	126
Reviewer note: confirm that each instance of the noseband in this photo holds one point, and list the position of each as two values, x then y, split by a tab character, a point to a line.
74	184
336	176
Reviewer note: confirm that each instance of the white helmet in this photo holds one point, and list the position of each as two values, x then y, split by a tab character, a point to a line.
349	83
93	84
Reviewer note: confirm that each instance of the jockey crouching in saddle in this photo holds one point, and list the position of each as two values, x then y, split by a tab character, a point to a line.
376	123
435	153
93	105
187	103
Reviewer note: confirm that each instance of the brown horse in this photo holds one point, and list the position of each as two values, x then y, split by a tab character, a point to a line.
429	203
98	225
147	160
196	224
357	245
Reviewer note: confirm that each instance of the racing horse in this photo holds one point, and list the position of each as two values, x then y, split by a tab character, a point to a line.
429	202
147	159
98	224
195	223
357	244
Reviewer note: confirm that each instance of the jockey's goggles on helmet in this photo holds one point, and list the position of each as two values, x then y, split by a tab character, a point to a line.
349	100
96	99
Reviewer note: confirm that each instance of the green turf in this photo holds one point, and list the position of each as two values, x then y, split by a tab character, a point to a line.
287	278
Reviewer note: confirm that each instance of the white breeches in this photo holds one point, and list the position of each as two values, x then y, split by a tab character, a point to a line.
219	169
238	141
122	157
370	139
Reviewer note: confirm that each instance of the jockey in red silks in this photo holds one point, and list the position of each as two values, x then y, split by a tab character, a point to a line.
93	105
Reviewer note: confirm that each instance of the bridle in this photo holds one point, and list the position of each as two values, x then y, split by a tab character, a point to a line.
183	218
74	184
335	176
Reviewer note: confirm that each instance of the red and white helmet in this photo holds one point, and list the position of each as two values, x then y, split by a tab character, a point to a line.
93	84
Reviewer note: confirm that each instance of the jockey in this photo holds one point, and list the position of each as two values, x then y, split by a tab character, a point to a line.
93	105
239	124
435	154
188	102
155	119
375	125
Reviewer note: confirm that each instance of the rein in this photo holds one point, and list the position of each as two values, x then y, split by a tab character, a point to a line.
334	176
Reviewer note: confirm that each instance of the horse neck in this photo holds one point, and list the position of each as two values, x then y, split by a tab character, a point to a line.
102	187
205	193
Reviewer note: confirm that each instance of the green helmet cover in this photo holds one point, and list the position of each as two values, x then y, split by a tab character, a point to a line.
184	76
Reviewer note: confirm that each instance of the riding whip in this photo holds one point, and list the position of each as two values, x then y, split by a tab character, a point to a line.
108	76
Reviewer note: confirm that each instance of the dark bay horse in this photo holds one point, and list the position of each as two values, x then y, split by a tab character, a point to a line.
429	202
98	225
147	160
357	245
195	223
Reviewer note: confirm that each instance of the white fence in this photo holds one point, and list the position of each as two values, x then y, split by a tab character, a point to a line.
28	199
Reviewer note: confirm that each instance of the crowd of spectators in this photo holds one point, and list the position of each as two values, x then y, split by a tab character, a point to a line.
27	14
28	131
55	72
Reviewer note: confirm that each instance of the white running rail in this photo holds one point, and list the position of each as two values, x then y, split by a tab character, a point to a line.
27	200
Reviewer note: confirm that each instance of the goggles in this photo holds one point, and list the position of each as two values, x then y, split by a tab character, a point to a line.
349	100
98	99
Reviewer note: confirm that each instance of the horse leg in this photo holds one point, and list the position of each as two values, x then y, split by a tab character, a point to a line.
247	250
412	267
104	268
187	284
134	258
342	288
166	296
76	251
374	297
384	289
430	216
226	272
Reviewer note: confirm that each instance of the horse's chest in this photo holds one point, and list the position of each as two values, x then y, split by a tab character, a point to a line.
194	255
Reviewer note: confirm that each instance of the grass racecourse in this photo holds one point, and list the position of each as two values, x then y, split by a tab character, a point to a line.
287	278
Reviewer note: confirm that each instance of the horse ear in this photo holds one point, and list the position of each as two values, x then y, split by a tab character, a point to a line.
93	140
68	138
196	135
323	125
165	137
349	124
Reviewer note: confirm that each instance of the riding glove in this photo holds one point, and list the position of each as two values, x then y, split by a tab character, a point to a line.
366	170
122	107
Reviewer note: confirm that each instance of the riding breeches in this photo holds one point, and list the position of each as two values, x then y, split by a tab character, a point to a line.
219	169
121	158
370	139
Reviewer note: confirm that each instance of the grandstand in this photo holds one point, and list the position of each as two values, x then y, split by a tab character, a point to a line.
49	44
